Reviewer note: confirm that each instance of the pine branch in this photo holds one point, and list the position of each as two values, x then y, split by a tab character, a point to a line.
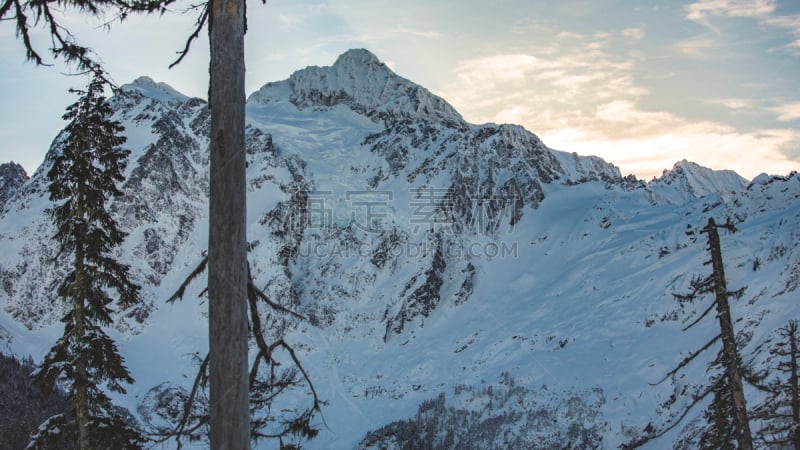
728	225
737	294
698	286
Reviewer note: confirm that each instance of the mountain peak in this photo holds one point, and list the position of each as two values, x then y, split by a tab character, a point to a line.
423	249
359	80
147	87
12	176
704	179
357	57
693	180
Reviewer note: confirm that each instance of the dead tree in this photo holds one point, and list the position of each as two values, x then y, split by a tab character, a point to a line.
781	410
265	377
227	260
728	356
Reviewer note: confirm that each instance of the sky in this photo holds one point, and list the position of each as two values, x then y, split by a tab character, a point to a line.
641	83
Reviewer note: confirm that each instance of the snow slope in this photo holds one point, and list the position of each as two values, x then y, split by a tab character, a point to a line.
430	255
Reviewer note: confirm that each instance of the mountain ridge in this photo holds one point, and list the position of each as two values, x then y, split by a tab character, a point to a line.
430	255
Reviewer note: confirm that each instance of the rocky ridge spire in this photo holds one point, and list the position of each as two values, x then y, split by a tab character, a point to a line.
12	176
361	81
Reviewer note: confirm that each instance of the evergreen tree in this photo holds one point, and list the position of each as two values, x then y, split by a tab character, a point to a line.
227	243
22	404
85	360
781	410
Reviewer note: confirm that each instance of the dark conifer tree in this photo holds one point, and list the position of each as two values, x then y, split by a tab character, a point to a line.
781	410
227	242
85	360
22	404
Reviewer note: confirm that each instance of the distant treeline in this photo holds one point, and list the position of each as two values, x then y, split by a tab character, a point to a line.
23	406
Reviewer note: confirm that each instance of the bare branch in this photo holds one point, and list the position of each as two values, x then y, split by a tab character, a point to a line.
297	363
180	431
200	380
687	360
199	25
178	295
705	313
257	292
696	399
274	385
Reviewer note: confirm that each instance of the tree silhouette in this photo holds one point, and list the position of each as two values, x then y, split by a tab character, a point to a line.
781	410
727	387
84	175
227	242
267	380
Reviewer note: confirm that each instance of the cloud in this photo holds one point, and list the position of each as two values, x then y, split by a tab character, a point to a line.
635	34
418	33
569	35
625	112
646	151
549	81
290	21
703	10
788	112
530	25
646	142
496	70
702	47
671	137
730	103
762	11
581	95
300	15
790	23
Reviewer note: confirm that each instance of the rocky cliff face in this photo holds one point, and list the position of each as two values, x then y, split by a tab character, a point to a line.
429	254
12	176
687	181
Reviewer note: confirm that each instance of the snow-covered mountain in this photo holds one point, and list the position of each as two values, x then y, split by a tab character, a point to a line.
446	267
687	181
12	176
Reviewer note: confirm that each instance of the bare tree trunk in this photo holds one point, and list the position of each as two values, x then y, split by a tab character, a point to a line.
731	355
227	242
